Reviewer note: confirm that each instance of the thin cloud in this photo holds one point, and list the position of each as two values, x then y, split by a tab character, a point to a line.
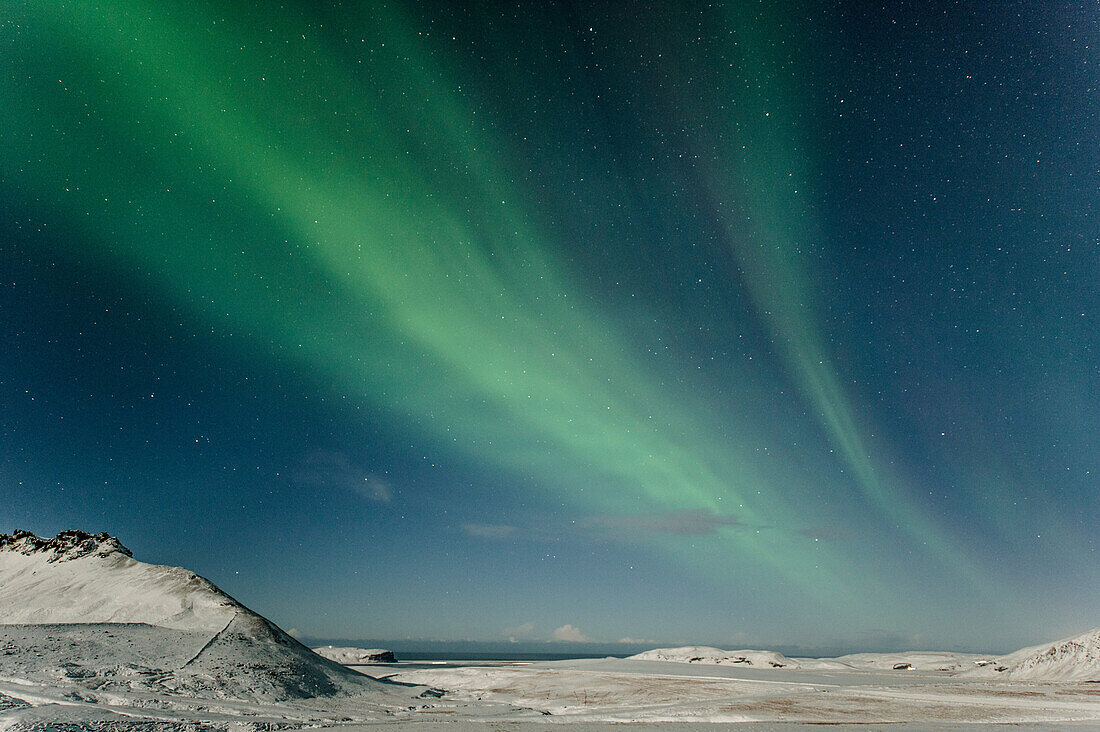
691	522
375	490
489	531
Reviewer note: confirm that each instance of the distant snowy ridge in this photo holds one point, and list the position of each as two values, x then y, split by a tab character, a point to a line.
911	661
356	656
707	654
1072	659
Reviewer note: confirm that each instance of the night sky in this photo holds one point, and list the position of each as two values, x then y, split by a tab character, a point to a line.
757	324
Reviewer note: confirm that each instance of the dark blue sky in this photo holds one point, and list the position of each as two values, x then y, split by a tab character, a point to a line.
765	325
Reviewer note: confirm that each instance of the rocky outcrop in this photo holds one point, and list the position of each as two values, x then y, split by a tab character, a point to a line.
66	546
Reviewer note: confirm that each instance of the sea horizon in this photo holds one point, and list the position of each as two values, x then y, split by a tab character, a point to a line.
466	650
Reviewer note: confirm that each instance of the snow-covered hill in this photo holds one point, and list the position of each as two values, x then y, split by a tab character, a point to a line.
80	609
1071	659
78	577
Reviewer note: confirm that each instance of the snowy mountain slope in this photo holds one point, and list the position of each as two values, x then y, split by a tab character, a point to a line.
79	608
83	578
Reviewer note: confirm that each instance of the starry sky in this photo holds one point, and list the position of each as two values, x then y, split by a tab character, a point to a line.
757	323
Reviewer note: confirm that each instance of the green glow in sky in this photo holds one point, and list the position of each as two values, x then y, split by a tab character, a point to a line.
356	217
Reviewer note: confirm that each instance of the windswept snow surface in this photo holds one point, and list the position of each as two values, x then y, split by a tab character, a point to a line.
631	690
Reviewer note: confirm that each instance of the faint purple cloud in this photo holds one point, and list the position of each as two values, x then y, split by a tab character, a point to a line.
329	469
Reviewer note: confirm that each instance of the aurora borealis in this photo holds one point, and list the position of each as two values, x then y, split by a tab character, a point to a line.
759	324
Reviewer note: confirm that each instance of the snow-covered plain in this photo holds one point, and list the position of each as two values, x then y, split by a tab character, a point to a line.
92	639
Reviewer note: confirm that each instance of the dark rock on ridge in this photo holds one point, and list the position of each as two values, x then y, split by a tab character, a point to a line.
66	546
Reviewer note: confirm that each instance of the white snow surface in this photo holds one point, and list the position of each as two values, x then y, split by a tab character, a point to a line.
632	690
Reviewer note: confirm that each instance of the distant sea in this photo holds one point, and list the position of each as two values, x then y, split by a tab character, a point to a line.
415	655
428	650
412	649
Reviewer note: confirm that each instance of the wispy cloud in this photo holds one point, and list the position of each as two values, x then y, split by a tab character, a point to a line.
571	634
691	522
521	631
489	531
328	469
825	533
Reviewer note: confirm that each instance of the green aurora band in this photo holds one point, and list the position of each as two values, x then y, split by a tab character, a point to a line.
373	239
773	175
